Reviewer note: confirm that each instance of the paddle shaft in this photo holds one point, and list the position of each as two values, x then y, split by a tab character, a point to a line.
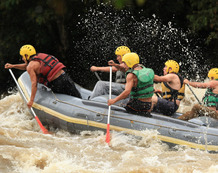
96	74
31	109
194	94
109	110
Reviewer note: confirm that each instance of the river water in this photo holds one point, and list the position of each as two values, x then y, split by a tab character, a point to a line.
25	149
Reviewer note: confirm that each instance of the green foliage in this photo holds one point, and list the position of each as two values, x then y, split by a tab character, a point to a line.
42	23
8	4
121	4
203	18
50	25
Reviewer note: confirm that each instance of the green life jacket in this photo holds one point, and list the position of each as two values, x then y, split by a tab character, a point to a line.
210	98
144	88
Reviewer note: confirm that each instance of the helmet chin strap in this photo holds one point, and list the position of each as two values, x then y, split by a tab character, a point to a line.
169	70
25	57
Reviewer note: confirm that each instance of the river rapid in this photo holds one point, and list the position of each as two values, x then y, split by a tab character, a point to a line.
25	149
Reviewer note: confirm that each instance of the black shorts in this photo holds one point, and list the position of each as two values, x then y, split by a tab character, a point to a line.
165	107
138	107
64	85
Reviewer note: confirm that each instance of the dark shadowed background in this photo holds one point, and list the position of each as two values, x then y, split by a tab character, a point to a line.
83	33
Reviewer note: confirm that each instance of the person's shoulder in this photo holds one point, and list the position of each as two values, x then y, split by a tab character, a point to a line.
33	64
172	77
130	75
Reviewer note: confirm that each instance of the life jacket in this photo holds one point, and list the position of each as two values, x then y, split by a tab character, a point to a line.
144	88
172	94
210	98
120	77
49	67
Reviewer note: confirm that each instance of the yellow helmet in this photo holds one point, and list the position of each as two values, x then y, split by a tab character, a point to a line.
131	59
27	50
122	50
213	74
172	64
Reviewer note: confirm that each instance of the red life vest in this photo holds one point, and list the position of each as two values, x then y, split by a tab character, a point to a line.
49	67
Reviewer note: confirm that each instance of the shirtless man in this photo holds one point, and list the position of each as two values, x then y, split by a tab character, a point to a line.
45	69
173	89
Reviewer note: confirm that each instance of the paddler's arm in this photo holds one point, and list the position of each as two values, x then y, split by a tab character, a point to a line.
166	78
117	66
33	78
199	84
17	66
126	92
103	69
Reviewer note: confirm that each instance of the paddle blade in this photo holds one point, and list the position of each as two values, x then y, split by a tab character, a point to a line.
44	130
108	134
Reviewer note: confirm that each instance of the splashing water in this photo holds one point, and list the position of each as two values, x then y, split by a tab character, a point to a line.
24	149
106	29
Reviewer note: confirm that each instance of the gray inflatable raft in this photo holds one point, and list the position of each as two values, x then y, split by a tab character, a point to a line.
75	115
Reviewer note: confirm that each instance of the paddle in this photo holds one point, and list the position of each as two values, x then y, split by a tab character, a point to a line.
44	130
194	94
109	110
158	93
96	74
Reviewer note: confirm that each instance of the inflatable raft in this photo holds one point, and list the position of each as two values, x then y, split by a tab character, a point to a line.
75	115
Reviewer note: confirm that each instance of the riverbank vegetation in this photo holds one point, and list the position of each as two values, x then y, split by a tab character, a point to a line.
61	28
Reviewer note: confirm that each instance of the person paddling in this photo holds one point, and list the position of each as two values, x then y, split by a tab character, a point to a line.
44	69
139	85
101	87
210	98
173	89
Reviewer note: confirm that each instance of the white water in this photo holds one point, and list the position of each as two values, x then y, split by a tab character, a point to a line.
25	149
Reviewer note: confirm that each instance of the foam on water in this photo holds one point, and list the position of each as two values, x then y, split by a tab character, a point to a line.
24	148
